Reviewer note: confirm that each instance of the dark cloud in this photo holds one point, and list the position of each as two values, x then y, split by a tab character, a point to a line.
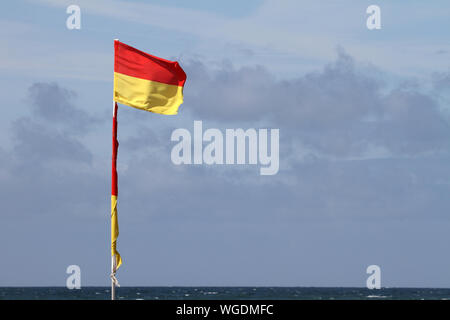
54	104
343	110
52	134
229	94
36	143
48	167
411	124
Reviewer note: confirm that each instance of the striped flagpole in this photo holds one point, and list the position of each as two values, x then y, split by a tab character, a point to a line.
116	260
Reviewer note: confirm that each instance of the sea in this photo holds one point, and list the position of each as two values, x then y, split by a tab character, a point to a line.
222	293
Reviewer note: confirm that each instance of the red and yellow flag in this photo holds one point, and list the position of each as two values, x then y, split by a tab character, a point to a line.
147	82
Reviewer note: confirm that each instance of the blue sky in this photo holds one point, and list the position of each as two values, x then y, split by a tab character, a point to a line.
364	144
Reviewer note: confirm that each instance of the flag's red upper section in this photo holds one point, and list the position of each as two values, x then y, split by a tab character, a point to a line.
135	63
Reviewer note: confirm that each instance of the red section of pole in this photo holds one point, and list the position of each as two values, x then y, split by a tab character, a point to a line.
115	145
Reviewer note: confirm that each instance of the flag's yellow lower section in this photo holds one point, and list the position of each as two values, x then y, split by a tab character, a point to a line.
114	231
148	95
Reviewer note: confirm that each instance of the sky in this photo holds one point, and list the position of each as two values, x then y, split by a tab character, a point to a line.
363	117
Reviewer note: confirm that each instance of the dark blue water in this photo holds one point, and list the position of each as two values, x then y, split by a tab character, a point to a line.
222	293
